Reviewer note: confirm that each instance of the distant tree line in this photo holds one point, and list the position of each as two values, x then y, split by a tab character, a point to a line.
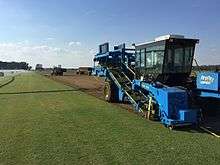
14	65
206	68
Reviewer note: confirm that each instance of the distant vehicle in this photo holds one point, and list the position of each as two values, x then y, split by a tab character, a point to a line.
84	71
39	67
58	71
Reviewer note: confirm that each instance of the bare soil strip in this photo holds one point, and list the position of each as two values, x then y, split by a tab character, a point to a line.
89	84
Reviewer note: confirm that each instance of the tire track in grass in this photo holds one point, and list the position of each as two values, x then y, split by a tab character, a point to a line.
11	79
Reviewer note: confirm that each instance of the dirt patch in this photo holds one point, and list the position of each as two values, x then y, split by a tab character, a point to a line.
89	84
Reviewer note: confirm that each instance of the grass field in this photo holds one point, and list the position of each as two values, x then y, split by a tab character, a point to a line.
44	122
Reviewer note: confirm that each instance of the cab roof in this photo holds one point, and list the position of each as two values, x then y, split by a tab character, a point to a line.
166	37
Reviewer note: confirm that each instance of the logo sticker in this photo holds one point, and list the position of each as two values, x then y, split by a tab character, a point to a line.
206	80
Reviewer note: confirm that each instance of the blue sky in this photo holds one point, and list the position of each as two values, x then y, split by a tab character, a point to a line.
68	32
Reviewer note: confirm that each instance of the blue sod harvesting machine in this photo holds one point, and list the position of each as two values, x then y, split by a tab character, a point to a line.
155	78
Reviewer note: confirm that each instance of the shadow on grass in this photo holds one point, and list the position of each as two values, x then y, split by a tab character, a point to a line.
190	129
40	91
208	130
210	117
210	123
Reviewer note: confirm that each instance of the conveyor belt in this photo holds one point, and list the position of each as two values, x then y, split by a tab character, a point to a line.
124	83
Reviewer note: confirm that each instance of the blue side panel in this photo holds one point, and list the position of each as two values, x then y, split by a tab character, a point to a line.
177	99
174	107
173	104
171	100
208	81
188	115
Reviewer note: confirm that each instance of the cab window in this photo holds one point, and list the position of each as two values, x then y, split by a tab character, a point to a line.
142	57
138	56
179	60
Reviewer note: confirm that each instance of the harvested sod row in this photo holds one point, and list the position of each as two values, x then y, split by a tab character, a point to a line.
45	122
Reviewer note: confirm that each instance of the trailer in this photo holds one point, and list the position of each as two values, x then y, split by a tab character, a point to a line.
84	71
155	78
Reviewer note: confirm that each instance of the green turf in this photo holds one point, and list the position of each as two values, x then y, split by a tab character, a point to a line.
70	127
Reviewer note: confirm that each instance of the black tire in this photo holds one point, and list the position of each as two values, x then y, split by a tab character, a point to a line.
109	92
171	127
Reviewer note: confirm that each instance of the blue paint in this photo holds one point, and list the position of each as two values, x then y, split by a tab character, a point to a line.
173	104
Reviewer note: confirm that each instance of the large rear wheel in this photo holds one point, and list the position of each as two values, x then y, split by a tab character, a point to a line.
109	92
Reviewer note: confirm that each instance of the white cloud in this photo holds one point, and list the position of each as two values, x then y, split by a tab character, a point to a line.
50	38
93	51
46	55
74	43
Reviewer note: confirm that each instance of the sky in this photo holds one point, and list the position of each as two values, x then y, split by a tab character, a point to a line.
68	32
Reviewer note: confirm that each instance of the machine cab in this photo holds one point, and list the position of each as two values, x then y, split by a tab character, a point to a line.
168	59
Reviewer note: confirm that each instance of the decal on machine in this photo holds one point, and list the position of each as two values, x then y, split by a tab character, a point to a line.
206	80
